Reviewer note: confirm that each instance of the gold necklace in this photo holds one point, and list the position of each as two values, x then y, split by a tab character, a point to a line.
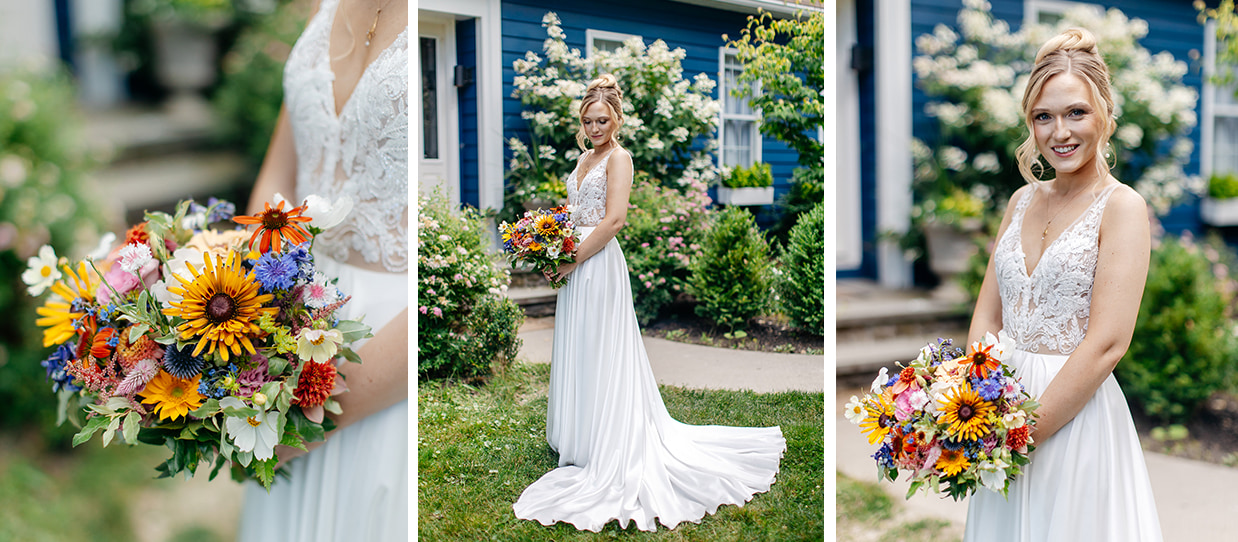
1062	208
369	36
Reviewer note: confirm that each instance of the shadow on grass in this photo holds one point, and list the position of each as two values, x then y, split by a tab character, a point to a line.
479	447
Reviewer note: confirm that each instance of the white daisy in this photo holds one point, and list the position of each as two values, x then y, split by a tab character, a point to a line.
41	271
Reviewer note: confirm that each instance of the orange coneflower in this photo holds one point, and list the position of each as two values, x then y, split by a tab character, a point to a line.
981	360
275	225
220	305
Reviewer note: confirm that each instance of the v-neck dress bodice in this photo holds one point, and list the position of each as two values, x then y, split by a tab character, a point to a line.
588	195
361	153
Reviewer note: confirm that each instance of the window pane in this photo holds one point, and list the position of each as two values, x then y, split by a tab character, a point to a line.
608	46
429	98
1225	95
1225	145
732	105
737	143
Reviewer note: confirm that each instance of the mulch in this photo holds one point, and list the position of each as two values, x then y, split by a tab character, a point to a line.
763	334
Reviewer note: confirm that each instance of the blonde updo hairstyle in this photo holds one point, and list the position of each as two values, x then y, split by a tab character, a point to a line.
1073	51
604	89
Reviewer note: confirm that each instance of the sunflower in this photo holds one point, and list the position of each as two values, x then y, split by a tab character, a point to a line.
879	419
953	462
220	305
274	225
58	315
981	360
965	412
173	397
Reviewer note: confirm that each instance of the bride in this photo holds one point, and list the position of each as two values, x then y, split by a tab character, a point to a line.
344	133
1065	282
621	456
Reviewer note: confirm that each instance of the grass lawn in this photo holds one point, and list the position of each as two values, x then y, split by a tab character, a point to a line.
866	513
479	447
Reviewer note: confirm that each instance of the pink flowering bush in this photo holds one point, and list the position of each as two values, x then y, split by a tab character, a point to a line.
662	235
465	323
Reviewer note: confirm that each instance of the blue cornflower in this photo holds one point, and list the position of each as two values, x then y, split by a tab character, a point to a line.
275	272
885	456
300	256
61	379
991	388
181	363
893	380
217	382
221	210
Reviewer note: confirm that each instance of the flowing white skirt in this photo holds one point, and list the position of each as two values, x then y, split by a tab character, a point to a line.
1088	482
355	485
621	456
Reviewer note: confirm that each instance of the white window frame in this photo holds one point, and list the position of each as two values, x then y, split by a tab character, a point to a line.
1211	109
724	94
1032	9
591	35
849	251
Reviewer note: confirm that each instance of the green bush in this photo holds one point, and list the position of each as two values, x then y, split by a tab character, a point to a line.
663	233
758	175
730	279
801	285
464	324
45	198
1223	186
1183	347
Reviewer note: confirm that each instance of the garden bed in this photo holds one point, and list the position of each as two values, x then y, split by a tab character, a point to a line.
1212	435
764	334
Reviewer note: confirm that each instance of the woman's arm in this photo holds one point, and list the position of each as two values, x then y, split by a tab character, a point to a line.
618	189
279	167
987	316
1121	270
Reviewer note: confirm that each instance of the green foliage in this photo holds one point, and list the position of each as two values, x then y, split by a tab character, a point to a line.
801	285
807	191
464	323
1223	186
731	278
663	233
1183	347
786	56
1227	38
45	197
251	91
758	175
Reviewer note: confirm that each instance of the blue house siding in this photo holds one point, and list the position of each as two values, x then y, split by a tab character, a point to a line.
466	55
697	30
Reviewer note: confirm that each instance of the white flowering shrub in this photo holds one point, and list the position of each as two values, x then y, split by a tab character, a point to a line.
665	115
977	75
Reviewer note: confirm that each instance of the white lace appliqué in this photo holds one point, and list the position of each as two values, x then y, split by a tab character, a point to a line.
590	199
1049	309
361	153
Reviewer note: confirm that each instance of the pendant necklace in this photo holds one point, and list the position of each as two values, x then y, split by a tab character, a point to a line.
1062	208
369	36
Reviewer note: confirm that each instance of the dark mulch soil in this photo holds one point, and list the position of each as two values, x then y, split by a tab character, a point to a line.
764	334
1212	435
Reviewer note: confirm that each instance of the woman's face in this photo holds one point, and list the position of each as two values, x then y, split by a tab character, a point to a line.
1066	124
598	123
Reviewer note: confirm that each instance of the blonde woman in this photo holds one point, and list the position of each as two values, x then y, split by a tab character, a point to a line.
621	456
1065	282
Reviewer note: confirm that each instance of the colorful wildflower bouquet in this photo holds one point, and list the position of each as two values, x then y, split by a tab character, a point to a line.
964	420
216	343
542	239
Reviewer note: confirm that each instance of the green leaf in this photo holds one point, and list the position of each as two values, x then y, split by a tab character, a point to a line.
92	426
310	431
276	365
244	458
353	330
332	406
292	437
62	406
133	422
348	354
208	409
138	330
110	432
219	462
264	471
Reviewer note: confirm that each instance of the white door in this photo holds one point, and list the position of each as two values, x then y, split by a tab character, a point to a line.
438	138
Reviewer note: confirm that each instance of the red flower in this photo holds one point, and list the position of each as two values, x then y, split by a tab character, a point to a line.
906	378
315	385
569	245
982	362
99	347
137	234
274	225
1017	437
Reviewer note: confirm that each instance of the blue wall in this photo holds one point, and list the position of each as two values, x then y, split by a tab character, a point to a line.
466	55
697	30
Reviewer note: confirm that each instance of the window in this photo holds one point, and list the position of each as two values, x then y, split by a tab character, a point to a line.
1051	11
1219	138
738	131
604	41
429	97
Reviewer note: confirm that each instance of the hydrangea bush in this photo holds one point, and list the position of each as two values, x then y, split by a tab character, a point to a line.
464	323
665	115
662	236
977	75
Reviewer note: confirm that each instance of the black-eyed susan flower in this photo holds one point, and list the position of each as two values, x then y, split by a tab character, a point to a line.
220	306
275	225
965	413
59	315
878	419
172	397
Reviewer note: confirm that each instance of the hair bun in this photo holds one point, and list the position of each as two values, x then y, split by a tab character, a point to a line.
1073	39
605	80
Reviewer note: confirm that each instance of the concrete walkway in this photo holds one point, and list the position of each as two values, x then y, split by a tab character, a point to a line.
1195	500
702	367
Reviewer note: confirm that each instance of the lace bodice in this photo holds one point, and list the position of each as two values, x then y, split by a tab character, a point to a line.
362	152
1049	308
590	198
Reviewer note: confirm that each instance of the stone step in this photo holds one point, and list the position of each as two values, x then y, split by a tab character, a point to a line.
159	182
537	301
136	132
859	357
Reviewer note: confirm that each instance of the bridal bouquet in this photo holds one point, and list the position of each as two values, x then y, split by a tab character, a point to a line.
217	343
542	239
959	419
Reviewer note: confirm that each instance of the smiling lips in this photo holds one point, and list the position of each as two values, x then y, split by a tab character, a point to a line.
1065	150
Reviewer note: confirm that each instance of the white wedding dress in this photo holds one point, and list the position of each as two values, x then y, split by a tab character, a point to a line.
1087	482
355	485
621	456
